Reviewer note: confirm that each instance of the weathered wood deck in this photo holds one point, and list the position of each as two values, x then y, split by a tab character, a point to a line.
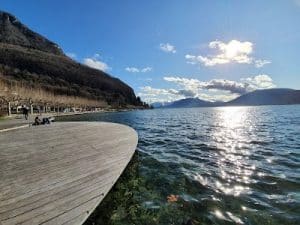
58	174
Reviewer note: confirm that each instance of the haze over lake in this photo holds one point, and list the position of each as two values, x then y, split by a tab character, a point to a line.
225	165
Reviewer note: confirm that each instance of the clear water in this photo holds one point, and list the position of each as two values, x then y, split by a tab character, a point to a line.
226	165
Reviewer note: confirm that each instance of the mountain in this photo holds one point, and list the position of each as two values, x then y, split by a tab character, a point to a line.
276	96
190	103
31	60
160	104
12	31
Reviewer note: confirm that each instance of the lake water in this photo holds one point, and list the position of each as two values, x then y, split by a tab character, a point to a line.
226	165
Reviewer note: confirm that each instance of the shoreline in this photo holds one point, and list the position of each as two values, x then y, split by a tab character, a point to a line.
17	121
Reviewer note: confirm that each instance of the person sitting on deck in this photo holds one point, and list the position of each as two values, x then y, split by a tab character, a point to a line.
37	121
46	121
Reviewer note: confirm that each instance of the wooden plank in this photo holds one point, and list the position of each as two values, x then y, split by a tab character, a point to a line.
58	174
51	169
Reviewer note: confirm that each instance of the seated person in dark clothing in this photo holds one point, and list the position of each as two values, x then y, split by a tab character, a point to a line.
37	121
46	121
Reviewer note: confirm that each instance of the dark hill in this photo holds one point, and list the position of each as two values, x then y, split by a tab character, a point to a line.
190	103
276	96
160	104
14	32
31	59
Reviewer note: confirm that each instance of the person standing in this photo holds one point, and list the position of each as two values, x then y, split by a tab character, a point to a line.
25	112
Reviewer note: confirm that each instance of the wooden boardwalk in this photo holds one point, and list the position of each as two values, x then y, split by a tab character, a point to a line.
58	173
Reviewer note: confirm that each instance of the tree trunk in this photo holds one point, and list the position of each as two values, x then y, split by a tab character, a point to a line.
9	109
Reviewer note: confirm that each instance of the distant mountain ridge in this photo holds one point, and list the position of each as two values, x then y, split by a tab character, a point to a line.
32	60
275	96
190	103
160	104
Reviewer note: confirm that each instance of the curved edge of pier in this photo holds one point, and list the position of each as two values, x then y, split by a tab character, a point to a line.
59	173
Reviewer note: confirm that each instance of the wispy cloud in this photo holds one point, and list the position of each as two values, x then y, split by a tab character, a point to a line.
71	55
232	52
167	47
261	62
132	69
138	70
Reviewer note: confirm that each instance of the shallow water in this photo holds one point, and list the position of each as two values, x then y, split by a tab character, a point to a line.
225	165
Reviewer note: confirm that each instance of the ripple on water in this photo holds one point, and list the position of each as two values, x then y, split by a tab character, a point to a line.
232	165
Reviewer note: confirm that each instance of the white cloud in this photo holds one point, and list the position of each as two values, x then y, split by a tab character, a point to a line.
212	90
245	85
226	85
71	55
185	83
261	62
232	52
154	91
146	69
96	64
215	84
261	81
167	48
132	69
150	94
137	70
96	55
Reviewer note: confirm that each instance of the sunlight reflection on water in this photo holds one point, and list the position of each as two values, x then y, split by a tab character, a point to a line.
233	124
231	139
227	165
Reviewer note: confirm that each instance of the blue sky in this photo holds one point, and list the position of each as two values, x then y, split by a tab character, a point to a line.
172	49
